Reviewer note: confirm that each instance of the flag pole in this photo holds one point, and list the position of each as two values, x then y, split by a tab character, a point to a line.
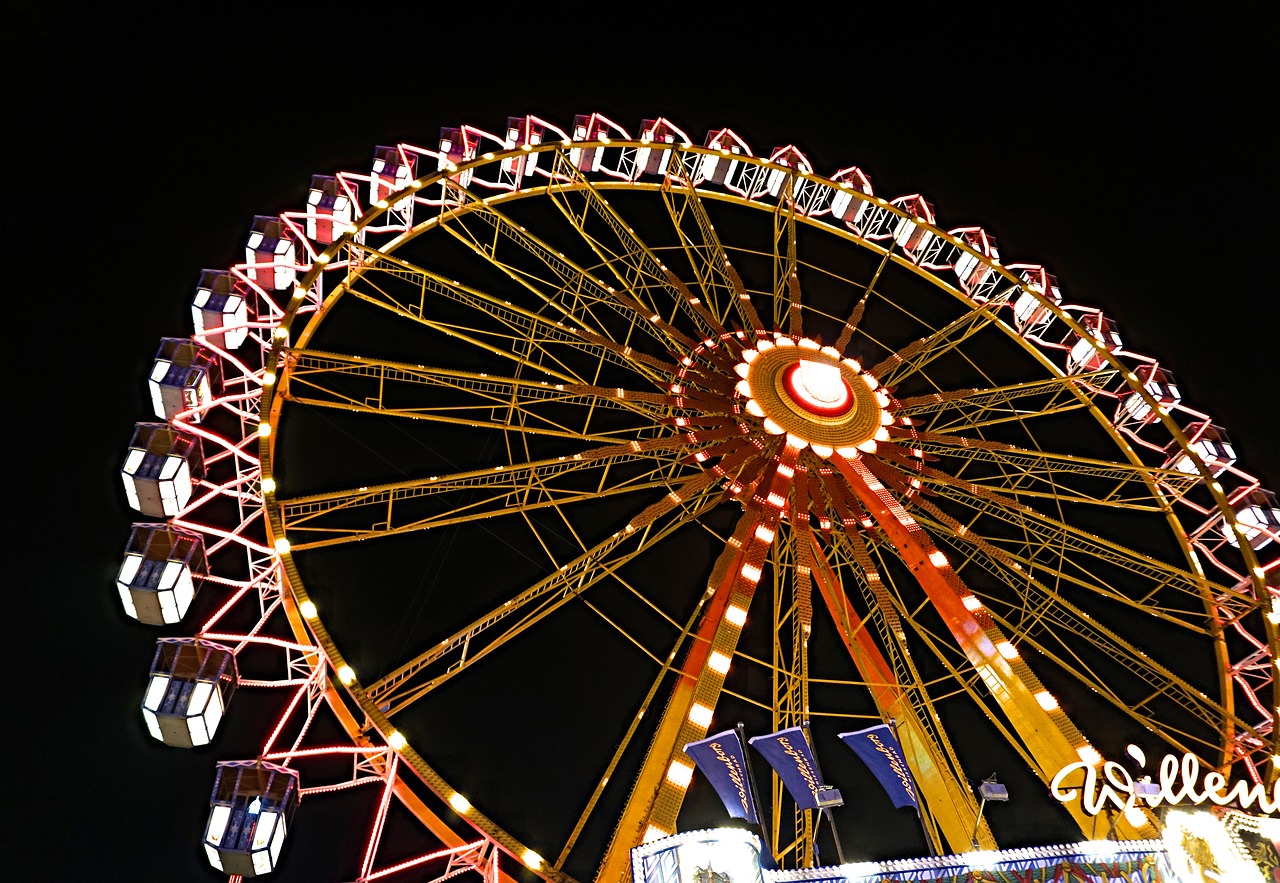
831	819
928	841
765	842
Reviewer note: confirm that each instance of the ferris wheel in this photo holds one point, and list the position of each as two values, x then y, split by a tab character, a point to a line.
528	458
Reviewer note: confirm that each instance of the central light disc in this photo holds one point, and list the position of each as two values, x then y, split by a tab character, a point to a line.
818	387
812	394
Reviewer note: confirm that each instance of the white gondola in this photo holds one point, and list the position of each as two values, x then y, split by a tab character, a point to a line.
328	209
190	685
161	469
1159	384
1030	311
1208	443
270	254
162	569
392	172
185	377
1084	355
220	310
1258	518
250	811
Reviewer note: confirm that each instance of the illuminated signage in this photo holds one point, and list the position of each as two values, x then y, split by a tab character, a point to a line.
1179	782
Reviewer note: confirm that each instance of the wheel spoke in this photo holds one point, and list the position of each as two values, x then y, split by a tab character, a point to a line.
970	409
702	247
477	399
786	285
916	355
422	674
496	326
1021	472
422	504
1048	621
635	266
1076	556
551	276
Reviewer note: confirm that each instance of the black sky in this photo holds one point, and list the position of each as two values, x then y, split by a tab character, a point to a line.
1133	158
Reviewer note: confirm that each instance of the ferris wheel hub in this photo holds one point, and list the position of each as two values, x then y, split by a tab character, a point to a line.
812	393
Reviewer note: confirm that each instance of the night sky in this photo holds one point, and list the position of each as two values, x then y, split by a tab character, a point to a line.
1134	161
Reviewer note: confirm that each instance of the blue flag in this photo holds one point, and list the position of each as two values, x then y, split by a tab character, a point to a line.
720	757
880	751
787	751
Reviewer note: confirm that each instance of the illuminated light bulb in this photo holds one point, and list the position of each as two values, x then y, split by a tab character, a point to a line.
881	434
653	832
308	609
299	292
882	397
830	351
1047	700
531	860
848	453
742	369
751	573
785	341
680	774
743	389
754	409
282	545
808	344
718	662
1007	650
735	615
397	741
764	533
783	469
320	259
820	385
281	332
772	428
823	450
268	485
762	345
700	714
749	356
971	603
1136	753
346	675
857	368
1136	817
868	446
871	382
459	803
268	378
937	559
885	418
381	203
1089	755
